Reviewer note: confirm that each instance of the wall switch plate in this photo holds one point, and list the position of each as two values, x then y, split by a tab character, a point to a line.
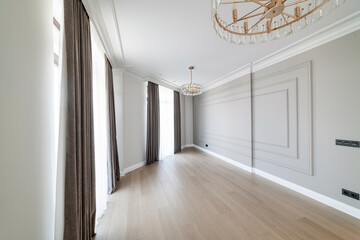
351	194
347	143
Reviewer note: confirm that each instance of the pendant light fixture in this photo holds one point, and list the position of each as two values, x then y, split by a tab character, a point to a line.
253	21
191	89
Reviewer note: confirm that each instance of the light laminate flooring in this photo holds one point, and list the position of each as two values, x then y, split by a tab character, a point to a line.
192	195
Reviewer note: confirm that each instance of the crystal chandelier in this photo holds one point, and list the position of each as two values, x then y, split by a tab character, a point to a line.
252	21
191	89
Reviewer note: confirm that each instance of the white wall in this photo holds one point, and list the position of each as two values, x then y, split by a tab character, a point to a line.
27	153
134	118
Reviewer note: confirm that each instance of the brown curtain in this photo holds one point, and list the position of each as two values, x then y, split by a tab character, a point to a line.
153	124
80	206
113	160
177	123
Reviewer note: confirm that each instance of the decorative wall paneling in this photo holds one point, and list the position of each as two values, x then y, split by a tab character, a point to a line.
272	122
282	125
230	136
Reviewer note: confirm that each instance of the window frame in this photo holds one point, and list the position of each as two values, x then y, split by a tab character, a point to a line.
58	26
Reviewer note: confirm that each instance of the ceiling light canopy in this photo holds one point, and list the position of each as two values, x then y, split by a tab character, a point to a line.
252	21
191	89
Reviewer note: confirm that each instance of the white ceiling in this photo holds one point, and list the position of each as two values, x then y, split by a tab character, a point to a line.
163	38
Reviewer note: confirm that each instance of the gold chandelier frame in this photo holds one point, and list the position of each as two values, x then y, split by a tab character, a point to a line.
267	16
191	89
296	17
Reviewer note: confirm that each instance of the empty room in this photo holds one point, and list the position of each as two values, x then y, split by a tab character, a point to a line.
179	120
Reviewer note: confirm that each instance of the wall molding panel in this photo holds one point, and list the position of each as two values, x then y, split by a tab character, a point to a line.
282	125
215	132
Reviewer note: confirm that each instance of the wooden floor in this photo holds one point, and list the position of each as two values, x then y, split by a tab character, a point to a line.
195	196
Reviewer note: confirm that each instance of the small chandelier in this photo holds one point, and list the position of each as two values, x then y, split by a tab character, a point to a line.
252	21
191	89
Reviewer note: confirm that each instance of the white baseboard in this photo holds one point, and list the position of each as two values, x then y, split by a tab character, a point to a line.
355	212
187	146
132	168
226	159
350	210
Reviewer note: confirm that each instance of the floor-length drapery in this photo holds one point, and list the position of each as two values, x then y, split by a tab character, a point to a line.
113	159
166	99
80	206
153	124
177	123
101	123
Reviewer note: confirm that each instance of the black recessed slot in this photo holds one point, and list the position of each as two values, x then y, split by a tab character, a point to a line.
350	194
206	145
347	143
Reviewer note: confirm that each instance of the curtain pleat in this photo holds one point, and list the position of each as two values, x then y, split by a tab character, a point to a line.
153	124
80	206
177	123
113	160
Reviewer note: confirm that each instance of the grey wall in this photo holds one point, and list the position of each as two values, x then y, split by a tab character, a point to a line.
222	119
188	120
182	115
300	106
335	114
118	78
134	120
27	149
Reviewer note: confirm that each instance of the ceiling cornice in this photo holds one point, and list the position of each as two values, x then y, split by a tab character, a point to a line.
151	78
135	75
242	71
118	32
97	19
163	81
336	30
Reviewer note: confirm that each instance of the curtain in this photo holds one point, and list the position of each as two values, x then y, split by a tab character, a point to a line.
153	124
166	97
101	124
113	160
177	123
80	206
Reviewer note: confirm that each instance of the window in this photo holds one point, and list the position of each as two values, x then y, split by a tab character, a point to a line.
166	98
57	18
101	122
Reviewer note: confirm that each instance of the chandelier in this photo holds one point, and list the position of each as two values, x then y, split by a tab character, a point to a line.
252	21
191	89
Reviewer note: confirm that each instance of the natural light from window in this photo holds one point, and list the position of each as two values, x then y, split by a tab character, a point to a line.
101	122
166	97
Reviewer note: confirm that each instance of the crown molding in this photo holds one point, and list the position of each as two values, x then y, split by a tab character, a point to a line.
151	78
162	81
336	30
242	71
115	18
134	74
97	19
